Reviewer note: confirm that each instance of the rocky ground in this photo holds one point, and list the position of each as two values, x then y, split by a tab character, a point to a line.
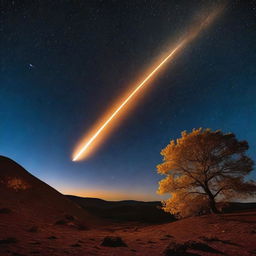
226	234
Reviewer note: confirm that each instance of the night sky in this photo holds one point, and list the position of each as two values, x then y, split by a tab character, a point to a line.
63	63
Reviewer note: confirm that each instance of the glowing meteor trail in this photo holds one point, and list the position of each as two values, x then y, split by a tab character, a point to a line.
191	35
140	86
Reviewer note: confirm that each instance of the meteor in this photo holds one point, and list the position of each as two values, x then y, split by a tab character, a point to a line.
189	37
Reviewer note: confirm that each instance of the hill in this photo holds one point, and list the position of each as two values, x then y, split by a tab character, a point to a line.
122	211
29	200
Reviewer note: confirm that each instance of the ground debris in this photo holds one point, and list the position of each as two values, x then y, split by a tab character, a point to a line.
113	241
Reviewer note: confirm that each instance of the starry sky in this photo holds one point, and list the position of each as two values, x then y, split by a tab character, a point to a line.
64	62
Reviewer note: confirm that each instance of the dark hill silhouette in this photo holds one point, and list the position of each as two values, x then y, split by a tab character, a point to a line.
30	200
126	210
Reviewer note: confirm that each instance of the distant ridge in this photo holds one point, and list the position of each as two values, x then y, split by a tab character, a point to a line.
125	210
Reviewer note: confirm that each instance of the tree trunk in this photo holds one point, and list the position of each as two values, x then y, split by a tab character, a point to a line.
212	204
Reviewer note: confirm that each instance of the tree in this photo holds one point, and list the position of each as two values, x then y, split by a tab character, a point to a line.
203	167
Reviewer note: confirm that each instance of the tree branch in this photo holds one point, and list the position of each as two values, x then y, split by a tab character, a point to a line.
221	189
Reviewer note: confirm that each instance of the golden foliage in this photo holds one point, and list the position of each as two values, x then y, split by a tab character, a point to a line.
183	204
201	167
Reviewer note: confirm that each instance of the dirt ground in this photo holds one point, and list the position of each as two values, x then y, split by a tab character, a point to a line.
226	234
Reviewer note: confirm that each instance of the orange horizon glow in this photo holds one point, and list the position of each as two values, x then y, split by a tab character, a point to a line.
111	194
88	142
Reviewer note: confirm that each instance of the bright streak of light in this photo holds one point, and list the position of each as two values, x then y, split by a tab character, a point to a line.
191	35
139	87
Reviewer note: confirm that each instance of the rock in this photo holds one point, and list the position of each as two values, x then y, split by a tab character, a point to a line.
5	210
9	240
198	246
113	241
175	249
33	229
52	237
75	245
